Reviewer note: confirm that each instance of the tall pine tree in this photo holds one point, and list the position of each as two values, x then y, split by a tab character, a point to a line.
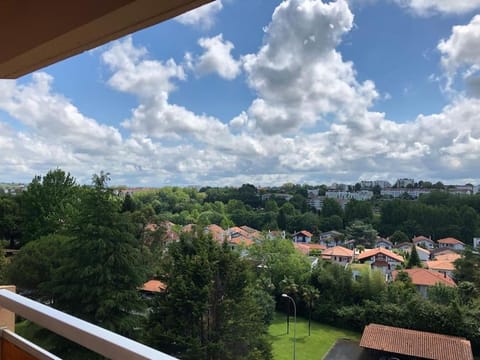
101	269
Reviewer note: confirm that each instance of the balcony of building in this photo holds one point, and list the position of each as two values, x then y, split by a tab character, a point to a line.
92	337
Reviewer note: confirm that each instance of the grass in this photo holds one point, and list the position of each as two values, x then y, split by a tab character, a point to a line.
312	347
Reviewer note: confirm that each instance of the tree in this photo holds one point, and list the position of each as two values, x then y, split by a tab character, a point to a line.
331	207
414	259
48	203
363	234
358	210
467	268
10	219
101	267
310	295
32	268
210	309
398	237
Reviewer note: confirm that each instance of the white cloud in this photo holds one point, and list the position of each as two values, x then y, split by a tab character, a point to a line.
202	17
298	74
428	7
217	58
461	51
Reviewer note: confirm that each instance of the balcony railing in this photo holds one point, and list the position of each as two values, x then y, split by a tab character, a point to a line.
95	338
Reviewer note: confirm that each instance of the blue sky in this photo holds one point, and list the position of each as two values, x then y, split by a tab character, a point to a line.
264	92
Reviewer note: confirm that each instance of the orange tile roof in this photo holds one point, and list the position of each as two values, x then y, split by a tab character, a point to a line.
448	257
450	240
306	248
415	343
241	240
218	234
441	265
427	277
372	252
154	286
236	229
337	251
151	227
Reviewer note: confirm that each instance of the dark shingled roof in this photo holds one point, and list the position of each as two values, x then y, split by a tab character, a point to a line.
415	343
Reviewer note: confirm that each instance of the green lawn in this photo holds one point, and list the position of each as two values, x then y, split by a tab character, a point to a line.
310	347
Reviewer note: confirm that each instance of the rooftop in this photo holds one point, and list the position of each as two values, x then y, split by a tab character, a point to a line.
415	343
372	252
426	277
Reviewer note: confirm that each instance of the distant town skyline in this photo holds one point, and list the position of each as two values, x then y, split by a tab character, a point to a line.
262	92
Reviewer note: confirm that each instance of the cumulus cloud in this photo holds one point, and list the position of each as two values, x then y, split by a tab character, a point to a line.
54	118
217	58
298	74
461	52
202	17
429	7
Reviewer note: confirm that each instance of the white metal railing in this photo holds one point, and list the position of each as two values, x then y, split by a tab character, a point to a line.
95	338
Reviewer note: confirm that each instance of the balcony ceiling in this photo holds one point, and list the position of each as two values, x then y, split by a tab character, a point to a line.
34	34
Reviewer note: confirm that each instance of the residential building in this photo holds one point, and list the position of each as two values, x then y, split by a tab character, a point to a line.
381	259
451	243
383	243
398	192
404	246
308	248
424	242
331	238
372	183
423	279
403	183
338	254
361	195
303	236
443	267
423	254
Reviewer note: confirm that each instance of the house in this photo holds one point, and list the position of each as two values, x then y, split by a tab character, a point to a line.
451	243
381	259
444	267
308	248
404	246
217	233
383	243
423	279
447	255
303	236
276	234
338	254
331	238
397	343
423	254
424	242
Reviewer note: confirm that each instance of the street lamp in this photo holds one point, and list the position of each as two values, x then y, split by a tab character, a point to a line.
294	321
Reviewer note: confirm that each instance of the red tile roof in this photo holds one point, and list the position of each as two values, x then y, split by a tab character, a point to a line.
218	234
426	277
372	252
154	286
337	251
415	343
450	240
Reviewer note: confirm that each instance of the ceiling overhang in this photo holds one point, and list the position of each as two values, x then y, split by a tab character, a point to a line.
34	34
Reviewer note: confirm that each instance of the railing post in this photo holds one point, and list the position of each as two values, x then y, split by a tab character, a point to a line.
7	317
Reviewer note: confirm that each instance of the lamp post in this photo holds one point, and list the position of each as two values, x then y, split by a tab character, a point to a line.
294	321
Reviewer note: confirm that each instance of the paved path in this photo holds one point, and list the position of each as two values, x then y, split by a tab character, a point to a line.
346	350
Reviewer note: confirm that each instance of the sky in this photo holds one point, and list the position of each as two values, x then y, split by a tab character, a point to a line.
263	92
